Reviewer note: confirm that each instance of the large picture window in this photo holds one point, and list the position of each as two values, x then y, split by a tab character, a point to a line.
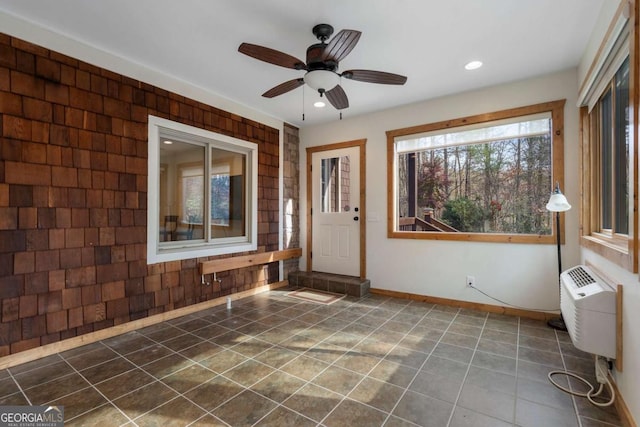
485	177
202	193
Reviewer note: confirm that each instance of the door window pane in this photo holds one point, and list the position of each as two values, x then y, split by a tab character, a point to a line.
336	184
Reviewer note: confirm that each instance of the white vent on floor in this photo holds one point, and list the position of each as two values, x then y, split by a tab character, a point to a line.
589	310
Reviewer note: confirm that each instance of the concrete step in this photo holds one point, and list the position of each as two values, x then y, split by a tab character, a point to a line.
337	283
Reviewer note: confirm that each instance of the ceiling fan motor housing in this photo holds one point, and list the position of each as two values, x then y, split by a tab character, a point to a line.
321	73
315	61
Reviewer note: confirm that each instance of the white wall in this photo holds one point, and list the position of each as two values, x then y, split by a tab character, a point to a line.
522	274
605	18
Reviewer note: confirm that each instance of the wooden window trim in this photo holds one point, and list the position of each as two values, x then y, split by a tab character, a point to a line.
556	108
620	251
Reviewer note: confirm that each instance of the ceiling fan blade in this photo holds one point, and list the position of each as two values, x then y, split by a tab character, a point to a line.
283	88
271	56
340	45
337	98
371	76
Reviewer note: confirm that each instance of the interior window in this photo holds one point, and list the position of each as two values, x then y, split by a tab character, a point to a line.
191	216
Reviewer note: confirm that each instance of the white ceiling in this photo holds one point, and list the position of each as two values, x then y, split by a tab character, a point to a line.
429	41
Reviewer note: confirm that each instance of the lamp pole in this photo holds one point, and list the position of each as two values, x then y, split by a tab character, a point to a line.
558	203
558	244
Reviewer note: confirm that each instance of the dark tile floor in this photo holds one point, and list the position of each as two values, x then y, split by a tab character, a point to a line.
273	360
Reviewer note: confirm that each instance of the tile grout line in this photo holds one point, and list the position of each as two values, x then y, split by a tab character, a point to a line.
381	359
464	379
21	390
406	389
564	366
155	379
174	352
309	382
255	308
515	400
245	388
17	382
91	385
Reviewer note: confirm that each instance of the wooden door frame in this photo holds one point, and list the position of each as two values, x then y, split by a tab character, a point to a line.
361	143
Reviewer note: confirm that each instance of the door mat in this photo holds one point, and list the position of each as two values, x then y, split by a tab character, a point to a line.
313	295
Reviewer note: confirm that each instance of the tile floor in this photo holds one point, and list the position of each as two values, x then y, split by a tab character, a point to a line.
274	361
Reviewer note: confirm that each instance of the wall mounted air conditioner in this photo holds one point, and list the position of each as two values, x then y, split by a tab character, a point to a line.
588	307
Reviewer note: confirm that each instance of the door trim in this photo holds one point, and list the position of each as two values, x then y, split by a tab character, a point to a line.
363	206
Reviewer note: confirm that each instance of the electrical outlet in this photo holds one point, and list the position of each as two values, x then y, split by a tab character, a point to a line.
471	281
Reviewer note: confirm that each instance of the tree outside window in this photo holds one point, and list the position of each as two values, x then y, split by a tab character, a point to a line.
491	175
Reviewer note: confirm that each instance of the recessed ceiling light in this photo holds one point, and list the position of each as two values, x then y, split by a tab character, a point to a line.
319	104
473	65
166	141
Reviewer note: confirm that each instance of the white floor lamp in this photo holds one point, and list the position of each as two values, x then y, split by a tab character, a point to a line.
558	203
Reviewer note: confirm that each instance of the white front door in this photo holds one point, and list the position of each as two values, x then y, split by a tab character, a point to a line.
335	211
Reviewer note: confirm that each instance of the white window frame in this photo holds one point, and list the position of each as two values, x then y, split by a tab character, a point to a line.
208	246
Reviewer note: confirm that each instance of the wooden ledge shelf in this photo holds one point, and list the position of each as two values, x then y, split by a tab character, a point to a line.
224	264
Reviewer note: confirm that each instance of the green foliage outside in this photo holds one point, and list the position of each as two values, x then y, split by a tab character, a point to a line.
496	187
463	215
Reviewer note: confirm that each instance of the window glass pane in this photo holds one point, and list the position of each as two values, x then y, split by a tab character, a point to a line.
336	185
492	187
228	181
621	149
518	127
606	153
181	190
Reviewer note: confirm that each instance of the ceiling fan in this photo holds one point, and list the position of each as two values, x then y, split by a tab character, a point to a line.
322	65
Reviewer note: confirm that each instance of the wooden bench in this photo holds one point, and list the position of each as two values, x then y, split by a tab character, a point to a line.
224	264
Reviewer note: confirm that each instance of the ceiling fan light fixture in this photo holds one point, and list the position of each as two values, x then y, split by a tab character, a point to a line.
319	104
322	80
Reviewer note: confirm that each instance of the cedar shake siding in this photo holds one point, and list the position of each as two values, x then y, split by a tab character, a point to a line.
73	199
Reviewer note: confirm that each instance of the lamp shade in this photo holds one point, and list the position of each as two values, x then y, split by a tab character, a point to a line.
558	202
322	79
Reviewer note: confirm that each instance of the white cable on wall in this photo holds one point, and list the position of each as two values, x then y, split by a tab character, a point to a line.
512	305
